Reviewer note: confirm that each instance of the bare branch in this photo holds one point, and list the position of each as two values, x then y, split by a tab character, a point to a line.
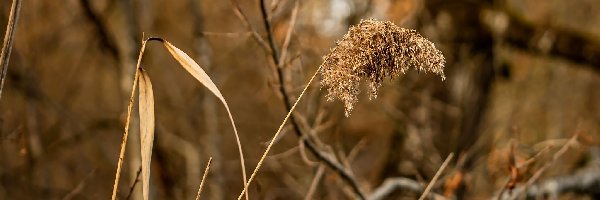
514	194
238	12
288	36
80	186
548	40
137	179
392	184
101	28
437	175
315	182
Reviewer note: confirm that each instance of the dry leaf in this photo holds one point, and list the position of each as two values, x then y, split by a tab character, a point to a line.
146	128
193	68
197	72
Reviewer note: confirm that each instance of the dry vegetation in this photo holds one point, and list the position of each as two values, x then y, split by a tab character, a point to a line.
103	96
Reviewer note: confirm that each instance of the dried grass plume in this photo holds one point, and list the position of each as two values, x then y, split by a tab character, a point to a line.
374	50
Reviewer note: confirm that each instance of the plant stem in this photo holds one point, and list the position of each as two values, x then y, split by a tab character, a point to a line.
126	131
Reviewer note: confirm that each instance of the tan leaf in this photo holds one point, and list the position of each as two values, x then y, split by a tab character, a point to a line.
146	128
194	69
197	72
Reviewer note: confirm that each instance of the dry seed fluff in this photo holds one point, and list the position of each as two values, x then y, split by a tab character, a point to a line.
374	50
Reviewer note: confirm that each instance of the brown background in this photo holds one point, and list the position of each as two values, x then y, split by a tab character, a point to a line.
522	70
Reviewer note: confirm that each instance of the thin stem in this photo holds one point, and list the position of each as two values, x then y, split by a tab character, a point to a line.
437	175
238	12
203	178
315	182
288	36
262	159
137	179
9	37
129	110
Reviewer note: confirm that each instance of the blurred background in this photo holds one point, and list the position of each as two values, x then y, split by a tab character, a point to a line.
523	76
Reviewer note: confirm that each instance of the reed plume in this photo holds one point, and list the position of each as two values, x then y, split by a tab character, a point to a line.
374	50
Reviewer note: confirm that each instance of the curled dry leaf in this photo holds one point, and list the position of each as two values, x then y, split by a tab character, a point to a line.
146	104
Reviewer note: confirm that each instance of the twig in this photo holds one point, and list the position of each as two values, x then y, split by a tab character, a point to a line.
185	148
303	155
101	28
224	34
584	181
271	38
137	179
540	171
437	175
315	182
9	37
534	157
392	184
511	181
356	149
203	178
284	154
288	36
238	12
80	186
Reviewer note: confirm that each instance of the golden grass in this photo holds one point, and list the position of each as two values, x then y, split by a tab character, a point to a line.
147	112
375	50
203	178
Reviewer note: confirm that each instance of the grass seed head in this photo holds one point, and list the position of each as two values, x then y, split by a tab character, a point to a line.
374	50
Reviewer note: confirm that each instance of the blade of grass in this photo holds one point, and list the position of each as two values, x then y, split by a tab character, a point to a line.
197	72
9	37
203	178
146	104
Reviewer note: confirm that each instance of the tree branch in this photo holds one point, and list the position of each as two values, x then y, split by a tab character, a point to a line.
551	41
101	28
390	185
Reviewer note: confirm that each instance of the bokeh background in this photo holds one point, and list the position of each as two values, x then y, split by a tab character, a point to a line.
523	76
